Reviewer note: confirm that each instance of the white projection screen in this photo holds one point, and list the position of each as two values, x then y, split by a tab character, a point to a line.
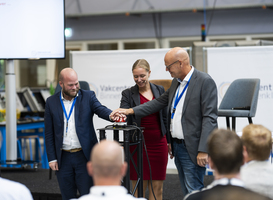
32	29
226	64
110	72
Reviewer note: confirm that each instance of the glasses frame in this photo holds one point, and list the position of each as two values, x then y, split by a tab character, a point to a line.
169	66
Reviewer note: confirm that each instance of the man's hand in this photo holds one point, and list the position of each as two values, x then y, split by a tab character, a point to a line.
128	111
121	113
116	116
170	151
202	159
53	165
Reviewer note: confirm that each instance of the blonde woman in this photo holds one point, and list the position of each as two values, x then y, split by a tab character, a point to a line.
154	132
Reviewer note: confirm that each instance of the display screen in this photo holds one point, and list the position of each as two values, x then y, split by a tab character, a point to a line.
32	29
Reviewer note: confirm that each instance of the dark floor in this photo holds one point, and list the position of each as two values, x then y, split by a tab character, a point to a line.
42	188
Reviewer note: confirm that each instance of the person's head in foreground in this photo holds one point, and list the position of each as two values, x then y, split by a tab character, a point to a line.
225	153
107	165
257	141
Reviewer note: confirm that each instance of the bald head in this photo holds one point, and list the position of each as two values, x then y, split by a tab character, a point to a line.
107	159
177	62
67	73
178	53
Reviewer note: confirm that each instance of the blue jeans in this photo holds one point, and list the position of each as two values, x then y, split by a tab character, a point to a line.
191	176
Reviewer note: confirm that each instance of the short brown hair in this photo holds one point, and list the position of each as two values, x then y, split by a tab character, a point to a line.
258	141
226	151
141	63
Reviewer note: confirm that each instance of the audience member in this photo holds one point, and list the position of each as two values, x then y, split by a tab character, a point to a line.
257	173
11	190
225	158
107	167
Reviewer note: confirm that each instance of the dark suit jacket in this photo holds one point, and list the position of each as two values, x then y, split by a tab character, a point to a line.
130	98
85	107
225	192
199	115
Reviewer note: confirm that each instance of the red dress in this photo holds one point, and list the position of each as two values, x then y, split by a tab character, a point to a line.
156	146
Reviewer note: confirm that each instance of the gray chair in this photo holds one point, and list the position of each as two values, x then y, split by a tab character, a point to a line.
83	85
240	100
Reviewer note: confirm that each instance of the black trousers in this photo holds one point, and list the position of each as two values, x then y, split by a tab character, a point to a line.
73	176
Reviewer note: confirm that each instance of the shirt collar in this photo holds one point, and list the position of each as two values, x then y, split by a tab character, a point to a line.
226	181
256	161
65	99
108	190
187	77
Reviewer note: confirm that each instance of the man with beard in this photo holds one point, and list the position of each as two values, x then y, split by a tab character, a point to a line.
70	134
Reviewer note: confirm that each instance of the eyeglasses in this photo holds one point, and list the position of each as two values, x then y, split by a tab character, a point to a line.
169	66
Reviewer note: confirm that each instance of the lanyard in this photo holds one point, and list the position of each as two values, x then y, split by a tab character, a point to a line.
177	99
71	109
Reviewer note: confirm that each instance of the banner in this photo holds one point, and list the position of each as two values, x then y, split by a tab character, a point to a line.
110	72
226	64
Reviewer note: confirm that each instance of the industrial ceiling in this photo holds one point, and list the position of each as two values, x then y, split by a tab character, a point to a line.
78	8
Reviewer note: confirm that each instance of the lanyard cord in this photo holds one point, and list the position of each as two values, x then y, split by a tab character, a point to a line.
71	109
177	99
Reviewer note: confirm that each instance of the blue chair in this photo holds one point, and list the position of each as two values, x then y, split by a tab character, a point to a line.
240	100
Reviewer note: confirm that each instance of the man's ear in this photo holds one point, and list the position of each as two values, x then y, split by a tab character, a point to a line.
89	167
61	84
245	154
124	169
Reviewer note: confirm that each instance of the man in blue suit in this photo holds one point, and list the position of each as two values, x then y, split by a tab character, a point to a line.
70	134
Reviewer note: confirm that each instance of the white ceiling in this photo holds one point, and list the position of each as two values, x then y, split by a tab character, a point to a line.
105	7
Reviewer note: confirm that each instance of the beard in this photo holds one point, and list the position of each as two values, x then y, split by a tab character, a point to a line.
70	93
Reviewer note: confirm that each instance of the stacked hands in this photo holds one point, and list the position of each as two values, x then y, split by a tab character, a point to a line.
119	115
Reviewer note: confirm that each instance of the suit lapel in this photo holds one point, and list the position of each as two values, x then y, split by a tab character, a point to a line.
172	90
59	107
155	91
135	95
190	90
77	107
